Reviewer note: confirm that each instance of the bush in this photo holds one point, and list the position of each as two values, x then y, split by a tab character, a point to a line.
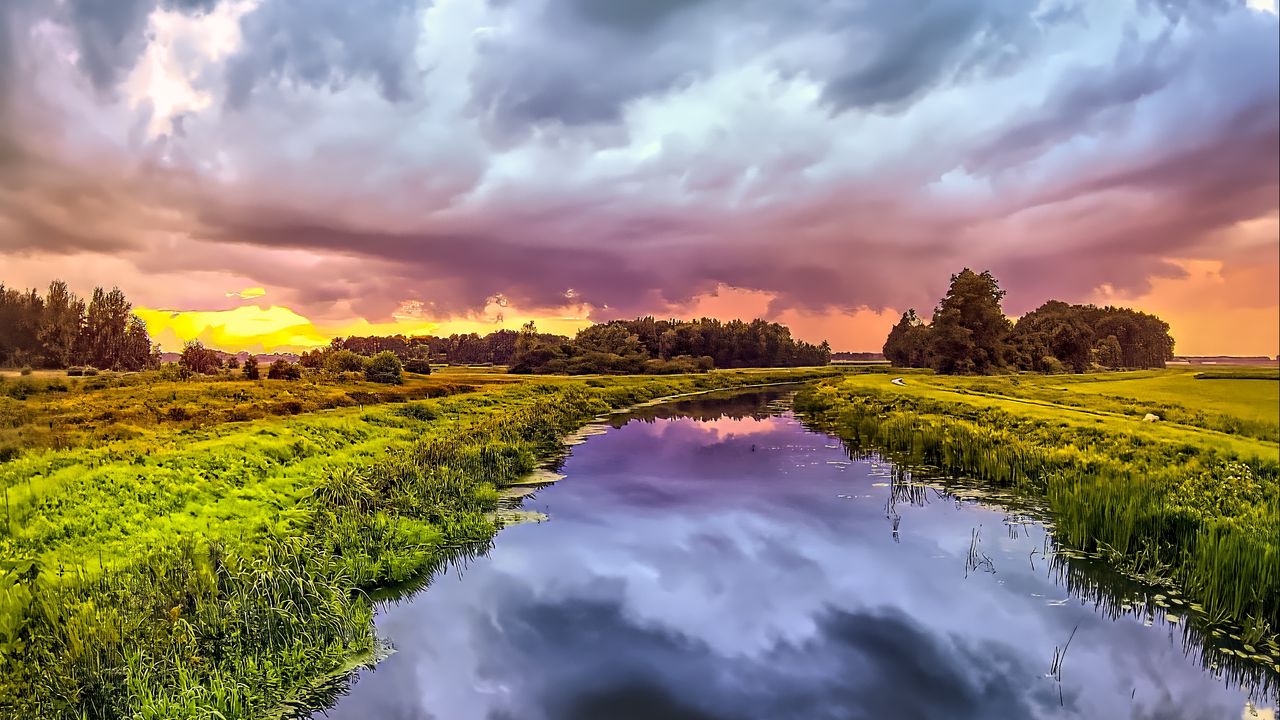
250	369
170	372
1051	365
340	361
75	371
25	371
419	411
421	366
198	359
283	370
384	368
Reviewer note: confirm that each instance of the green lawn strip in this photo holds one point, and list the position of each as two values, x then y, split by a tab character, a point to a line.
925	386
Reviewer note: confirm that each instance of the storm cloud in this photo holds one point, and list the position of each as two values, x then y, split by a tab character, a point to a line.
635	157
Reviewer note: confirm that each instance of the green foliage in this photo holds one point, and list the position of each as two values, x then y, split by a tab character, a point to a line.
250	368
25	371
908	342
196	359
282	369
646	345
59	329
384	368
339	361
969	328
970	335
1171	502
417	365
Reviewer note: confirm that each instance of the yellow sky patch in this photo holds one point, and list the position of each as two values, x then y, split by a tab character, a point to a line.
277	328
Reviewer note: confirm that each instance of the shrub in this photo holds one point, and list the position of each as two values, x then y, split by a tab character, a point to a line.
250	369
90	371
196	358
283	370
340	361
1051	365
25	371
75	371
419	411
384	368
421	366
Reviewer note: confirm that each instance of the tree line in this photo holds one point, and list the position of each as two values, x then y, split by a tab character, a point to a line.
59	330
648	345
496	348
643	345
970	334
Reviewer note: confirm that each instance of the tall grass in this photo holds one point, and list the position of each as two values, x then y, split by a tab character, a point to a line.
1208	521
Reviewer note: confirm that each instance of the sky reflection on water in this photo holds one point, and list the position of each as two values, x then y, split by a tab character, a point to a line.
745	568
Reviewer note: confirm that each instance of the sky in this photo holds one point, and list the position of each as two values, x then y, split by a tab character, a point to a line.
264	174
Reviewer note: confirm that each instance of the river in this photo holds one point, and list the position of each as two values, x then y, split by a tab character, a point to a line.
713	559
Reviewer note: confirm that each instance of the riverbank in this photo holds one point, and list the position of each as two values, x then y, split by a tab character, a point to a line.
1191	499
195	568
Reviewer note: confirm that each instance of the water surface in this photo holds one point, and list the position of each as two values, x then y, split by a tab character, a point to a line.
714	560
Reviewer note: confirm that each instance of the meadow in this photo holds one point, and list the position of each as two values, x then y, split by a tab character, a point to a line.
206	548
1190	501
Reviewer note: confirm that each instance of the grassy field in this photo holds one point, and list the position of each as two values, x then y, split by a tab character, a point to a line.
47	410
1191	500
213	561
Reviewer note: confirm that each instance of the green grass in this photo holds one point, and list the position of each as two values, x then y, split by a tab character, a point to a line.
61	412
217	567
1193	499
1240	373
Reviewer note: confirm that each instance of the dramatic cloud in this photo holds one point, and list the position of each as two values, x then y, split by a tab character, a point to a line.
838	159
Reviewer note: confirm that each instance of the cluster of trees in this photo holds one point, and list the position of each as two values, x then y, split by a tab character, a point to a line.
496	348
383	366
646	345
337	358
643	345
969	334
58	330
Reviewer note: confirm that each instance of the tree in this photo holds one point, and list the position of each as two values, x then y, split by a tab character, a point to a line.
1144	339
198	359
313	359
60	325
59	330
233	363
970	334
282	369
250	368
384	368
20	315
1108	353
908	342
969	327
1057	330
339	361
